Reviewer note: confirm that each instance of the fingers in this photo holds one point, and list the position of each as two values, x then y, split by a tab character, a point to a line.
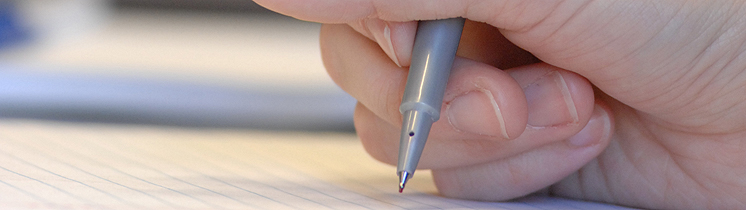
479	41
360	68
531	171
560	105
533	104
357	65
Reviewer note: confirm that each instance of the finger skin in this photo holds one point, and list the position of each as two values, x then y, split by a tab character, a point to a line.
528	172
508	14
355	63
448	148
485	43
395	38
508	177
479	41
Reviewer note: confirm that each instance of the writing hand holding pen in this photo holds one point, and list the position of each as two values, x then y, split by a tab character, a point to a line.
662	128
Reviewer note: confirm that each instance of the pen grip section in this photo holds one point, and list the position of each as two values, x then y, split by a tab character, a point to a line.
432	58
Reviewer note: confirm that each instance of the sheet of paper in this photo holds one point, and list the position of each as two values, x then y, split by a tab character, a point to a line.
45	165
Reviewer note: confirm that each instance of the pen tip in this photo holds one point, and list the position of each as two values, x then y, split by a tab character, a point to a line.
403	178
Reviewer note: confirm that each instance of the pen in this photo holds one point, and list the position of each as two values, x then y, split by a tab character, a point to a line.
432	58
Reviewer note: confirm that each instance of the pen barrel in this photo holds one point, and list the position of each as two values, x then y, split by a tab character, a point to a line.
432	59
434	49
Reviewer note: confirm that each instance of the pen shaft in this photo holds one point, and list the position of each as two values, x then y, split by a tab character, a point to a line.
434	50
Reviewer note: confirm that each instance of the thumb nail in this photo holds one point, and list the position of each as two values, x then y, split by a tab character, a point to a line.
549	101
598	128
477	112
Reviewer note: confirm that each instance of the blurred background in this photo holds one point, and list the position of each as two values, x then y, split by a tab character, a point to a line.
218	63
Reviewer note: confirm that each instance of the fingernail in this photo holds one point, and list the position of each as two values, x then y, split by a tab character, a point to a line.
477	112
549	102
599	127
389	49
382	33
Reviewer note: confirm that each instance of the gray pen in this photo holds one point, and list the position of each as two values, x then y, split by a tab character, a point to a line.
432	58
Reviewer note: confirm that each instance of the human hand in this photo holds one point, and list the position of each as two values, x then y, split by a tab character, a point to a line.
665	129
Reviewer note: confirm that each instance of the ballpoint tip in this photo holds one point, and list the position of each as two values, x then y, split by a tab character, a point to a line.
403	178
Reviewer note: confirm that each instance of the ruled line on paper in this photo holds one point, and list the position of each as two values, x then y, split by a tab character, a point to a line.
73	164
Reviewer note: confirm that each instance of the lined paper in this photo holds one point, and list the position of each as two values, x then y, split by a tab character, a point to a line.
45	165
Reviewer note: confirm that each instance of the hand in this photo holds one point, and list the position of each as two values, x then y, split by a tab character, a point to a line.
662	128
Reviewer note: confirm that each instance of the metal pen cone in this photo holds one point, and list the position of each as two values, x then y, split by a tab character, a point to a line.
415	129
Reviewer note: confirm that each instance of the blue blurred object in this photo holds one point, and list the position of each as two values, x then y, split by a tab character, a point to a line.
25	93
11	29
